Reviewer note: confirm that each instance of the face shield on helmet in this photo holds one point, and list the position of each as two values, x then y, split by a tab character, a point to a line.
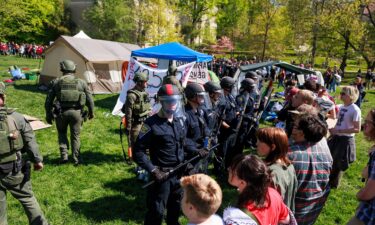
172	105
204	100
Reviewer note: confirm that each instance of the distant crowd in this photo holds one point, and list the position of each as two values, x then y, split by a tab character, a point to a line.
23	50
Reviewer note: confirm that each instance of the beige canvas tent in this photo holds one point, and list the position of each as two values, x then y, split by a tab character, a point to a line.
81	34
98	62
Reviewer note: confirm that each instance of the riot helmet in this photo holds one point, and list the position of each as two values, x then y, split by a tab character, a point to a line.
251	74
227	83
212	87
140	77
194	92
214	90
67	66
248	84
170	99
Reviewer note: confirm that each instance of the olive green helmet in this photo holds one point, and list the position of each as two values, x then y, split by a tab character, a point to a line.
140	77
67	66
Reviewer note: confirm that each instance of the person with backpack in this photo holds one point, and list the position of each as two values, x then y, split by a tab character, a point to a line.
65	104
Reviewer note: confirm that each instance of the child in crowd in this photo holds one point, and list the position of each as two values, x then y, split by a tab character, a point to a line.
365	213
262	204
272	144
202	198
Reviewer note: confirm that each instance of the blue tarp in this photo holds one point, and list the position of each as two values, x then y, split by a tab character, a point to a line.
172	51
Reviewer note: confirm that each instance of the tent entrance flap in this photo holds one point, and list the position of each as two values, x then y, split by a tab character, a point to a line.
104	83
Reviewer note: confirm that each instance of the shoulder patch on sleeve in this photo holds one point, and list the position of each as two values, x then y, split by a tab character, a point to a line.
144	130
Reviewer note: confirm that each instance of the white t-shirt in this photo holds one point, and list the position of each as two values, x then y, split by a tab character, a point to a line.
348	115
213	220
235	216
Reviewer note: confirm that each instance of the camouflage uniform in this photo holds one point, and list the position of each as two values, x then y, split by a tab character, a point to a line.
17	137
172	79
136	108
71	96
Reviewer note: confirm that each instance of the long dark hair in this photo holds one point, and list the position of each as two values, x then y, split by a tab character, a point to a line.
257	176
278	137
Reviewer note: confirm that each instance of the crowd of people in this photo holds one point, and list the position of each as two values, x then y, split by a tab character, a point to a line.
23	50
286	179
289	179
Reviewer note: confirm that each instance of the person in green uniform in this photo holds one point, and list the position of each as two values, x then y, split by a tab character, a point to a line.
17	137
137	107
171	78
65	103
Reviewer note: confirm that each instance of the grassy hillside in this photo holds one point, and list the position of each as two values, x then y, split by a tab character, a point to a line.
105	190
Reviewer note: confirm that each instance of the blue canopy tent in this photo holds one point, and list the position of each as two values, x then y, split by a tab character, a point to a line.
172	51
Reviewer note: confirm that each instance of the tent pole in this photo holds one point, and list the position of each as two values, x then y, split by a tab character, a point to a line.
87	69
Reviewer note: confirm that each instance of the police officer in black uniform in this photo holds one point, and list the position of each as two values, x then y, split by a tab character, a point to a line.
163	135
245	104
228	111
215	93
255	92
197	125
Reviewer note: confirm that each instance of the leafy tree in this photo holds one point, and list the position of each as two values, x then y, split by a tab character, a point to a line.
343	21
163	26
111	19
367	46
193	13
31	20
232	20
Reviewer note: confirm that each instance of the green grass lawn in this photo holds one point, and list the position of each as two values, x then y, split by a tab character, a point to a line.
105	190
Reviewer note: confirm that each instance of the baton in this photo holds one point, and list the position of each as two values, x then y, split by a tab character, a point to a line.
180	166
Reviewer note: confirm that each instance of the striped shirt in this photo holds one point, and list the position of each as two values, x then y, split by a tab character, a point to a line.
313	164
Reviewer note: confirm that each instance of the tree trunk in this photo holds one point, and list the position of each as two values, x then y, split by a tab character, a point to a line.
345	55
265	40
314	43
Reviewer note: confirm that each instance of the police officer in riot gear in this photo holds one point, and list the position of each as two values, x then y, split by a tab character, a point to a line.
197	125
17	137
65	103
255	92
214	91
256	77
137	107
245	104
228	111
163	135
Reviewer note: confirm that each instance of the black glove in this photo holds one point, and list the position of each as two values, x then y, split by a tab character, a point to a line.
91	116
49	119
203	152
159	176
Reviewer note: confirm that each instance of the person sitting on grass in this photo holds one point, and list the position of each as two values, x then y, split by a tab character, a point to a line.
365	213
202	198
258	203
